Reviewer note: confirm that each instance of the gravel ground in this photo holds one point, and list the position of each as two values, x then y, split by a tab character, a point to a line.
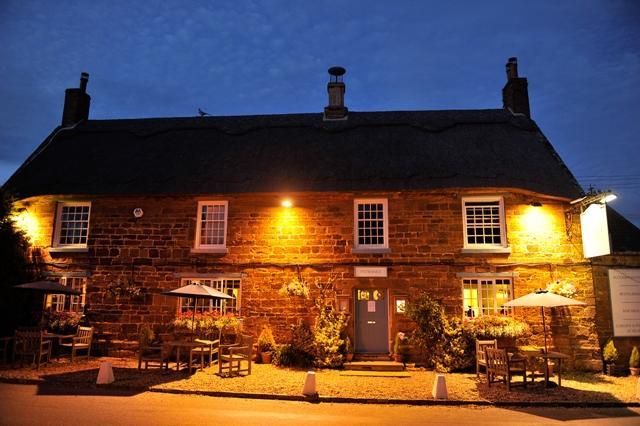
267	379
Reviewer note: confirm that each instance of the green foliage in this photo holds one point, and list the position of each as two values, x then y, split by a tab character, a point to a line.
14	261
328	332
266	342
495	327
207	324
610	353
290	356
429	335
295	287
147	336
63	322
634	359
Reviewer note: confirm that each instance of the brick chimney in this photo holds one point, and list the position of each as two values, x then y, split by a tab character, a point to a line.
515	95
336	88
76	103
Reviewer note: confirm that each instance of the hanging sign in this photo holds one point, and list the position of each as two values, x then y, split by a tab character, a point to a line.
595	232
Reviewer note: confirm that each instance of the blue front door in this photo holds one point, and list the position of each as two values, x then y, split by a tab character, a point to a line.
371	322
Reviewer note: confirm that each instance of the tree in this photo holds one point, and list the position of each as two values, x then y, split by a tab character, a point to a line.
14	247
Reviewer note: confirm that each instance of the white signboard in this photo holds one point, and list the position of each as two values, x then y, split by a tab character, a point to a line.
595	232
624	285
370	271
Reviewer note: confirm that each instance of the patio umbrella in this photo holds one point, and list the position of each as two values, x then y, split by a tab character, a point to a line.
48	287
197	291
543	299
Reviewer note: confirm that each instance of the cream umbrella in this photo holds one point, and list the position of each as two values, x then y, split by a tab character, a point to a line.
543	299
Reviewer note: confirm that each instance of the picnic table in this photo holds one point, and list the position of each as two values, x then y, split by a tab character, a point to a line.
557	357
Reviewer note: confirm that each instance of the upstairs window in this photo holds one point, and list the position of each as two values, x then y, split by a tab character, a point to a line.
486	296
371	224
484	223
72	225
211	225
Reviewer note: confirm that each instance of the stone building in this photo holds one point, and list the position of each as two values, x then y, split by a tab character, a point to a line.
469	205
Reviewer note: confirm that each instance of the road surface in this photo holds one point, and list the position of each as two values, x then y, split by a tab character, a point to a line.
33	405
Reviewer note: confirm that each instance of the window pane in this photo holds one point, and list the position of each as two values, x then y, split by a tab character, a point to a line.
482	221
370	224
74	225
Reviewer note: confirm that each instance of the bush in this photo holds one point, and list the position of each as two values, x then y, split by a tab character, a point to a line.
495	327
634	359
327	337
290	356
429	335
610	353
63	322
266	342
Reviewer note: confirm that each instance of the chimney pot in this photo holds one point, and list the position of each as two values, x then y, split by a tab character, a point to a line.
336	88
84	79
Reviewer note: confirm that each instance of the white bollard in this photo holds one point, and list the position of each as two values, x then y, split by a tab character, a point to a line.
439	387
105	375
309	388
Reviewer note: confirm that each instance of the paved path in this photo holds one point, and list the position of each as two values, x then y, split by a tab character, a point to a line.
31	405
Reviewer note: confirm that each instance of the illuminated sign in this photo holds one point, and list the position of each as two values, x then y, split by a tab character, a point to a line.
595	232
624	285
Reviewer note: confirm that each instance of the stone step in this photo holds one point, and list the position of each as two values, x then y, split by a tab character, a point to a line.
374	366
372	357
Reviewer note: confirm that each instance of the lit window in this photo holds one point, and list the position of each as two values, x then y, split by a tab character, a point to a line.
211	225
225	285
72	225
371	224
56	302
486	296
484	224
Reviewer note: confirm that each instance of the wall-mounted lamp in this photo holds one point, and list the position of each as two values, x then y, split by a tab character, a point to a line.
287	203
595	197
536	204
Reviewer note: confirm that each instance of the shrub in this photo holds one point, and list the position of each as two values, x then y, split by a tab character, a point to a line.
266	342
634	359
429	335
327	336
610	353
495	327
290	356
146	335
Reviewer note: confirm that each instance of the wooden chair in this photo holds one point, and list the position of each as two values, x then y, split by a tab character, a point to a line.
231	357
31	344
80	342
155	354
209	349
499	364
480	355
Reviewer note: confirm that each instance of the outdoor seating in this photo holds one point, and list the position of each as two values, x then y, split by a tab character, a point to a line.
5	344
232	357
33	345
480	354
154	354
500	364
80	342
210	348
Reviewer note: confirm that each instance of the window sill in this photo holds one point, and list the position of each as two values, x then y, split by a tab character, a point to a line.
68	249
370	250
209	250
486	250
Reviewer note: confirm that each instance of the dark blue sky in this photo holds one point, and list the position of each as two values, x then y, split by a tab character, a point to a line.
162	59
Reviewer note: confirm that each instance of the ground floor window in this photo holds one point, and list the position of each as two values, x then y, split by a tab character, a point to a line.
60	302
230	286
486	296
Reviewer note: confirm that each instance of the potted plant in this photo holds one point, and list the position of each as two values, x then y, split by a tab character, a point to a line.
348	349
634	362
266	344
401	348
610	355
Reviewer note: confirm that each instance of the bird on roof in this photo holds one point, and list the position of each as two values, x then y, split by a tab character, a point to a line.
202	113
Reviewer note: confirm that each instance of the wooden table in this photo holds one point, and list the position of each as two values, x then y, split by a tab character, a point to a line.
59	338
554	356
187	344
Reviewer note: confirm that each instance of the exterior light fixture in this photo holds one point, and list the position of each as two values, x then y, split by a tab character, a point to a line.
536	204
595	197
287	203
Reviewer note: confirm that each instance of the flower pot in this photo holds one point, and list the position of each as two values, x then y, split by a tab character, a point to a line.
265	357
635	371
397	357
349	356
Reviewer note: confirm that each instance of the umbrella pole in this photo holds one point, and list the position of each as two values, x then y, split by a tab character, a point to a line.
193	319
544	330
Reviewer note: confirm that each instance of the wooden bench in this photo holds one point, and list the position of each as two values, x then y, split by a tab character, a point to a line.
500	364
480	355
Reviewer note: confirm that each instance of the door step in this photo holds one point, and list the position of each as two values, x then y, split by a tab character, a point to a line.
372	357
374	366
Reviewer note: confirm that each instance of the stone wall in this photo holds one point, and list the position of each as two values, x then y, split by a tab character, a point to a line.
269	245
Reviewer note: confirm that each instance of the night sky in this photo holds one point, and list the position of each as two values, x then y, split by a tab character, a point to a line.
166	59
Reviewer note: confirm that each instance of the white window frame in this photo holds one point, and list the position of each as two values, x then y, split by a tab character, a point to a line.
385	217
496	309
56	302
219	283
503	225
213	247
58	224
